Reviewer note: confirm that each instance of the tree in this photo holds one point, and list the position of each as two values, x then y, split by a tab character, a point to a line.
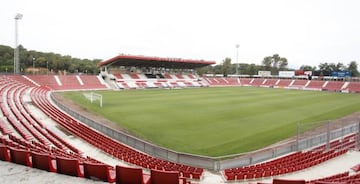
252	69
226	66
340	67
275	60
41	62
275	63
267	62
283	63
307	68
353	69
327	68
54	62
324	66
205	70
6	59
217	69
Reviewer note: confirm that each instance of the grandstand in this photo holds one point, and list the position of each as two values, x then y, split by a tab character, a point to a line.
139	72
37	141
316	85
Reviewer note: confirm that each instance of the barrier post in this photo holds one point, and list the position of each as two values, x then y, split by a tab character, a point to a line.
297	137
328	136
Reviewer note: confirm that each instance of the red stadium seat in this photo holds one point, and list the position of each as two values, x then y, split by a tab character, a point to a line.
356	168
196	175
4	153
69	167
230	176
19	156
100	172
166	177
43	161
127	175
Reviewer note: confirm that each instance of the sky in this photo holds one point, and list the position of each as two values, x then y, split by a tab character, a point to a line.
306	32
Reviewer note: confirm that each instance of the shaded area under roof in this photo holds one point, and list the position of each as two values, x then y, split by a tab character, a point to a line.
158	62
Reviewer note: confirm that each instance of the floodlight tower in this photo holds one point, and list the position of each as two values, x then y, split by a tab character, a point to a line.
237	58
16	49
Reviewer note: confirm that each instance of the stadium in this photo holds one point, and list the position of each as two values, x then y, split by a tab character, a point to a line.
155	120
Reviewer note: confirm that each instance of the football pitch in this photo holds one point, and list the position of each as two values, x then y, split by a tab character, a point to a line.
217	121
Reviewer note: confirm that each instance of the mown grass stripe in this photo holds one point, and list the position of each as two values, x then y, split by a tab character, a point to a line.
218	121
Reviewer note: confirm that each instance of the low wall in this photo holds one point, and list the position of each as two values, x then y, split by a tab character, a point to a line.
213	163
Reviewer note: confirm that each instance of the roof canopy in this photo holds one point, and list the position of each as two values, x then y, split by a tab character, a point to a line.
145	61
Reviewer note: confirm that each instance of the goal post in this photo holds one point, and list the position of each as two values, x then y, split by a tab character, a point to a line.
93	97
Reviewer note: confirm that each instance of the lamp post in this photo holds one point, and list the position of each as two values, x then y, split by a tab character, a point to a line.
237	58
16	49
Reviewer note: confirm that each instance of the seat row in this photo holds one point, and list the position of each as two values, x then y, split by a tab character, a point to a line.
39	143
154	76
341	178
108	145
296	83
158	83
96	171
283	167
292	162
21	130
24	122
67	82
338	178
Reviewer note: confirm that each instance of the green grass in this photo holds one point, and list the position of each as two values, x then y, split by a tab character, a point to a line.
218	121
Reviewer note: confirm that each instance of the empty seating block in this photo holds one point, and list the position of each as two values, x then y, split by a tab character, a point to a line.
127	175
292	162
315	84
270	82
284	83
331	178
245	81
257	82
91	82
44	80
334	85
354	87
300	83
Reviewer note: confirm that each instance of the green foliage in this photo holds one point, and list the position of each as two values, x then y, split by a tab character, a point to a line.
250	69
275	63
6	59
218	121
204	70
226	66
327	68
307	68
353	69
243	68
54	62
